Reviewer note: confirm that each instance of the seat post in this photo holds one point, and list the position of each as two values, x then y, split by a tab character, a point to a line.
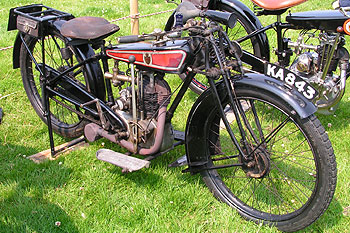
106	69
279	51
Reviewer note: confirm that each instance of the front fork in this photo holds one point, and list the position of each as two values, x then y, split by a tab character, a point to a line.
233	102
245	151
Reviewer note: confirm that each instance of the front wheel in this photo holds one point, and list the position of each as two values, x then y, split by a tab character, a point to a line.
287	177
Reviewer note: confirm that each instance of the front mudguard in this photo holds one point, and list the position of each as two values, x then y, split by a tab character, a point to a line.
196	126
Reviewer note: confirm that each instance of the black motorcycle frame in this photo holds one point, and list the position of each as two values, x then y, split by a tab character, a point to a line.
83	98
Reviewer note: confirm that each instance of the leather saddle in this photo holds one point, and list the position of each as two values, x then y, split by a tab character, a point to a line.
88	28
276	5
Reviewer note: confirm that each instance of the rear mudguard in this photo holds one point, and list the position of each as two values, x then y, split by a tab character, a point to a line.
237	7
196	127
83	51
16	51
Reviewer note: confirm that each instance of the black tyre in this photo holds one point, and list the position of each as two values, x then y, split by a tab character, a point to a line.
64	121
289	179
242	28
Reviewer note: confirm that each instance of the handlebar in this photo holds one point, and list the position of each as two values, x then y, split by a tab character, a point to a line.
130	39
135	38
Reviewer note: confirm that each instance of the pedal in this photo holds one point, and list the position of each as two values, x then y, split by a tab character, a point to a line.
179	135
127	163
182	161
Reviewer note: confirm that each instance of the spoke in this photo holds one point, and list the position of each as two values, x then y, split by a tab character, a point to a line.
244	188
59	48
217	134
286	136
272	134
235	34
253	194
234	173
287	176
300	144
49	52
297	180
297	163
220	151
288	154
246	122
275	192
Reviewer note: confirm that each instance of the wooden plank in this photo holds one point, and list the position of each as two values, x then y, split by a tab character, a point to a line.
64	148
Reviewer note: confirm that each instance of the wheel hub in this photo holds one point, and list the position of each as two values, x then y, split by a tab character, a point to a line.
258	166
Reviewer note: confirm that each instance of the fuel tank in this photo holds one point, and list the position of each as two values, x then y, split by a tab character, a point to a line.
326	20
169	57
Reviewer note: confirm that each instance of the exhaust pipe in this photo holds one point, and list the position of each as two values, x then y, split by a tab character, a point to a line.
94	132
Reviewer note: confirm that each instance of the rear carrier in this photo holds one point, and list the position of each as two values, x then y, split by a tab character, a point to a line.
33	19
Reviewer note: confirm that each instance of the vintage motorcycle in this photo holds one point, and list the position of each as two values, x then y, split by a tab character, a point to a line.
319	56
252	138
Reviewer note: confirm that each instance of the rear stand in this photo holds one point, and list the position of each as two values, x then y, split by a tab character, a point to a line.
53	151
45	99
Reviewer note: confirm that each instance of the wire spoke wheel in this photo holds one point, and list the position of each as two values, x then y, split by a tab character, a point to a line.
283	177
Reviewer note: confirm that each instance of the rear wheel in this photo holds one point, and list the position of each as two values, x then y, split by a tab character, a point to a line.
288	176
64	121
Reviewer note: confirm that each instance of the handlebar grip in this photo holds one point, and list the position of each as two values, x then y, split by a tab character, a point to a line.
130	39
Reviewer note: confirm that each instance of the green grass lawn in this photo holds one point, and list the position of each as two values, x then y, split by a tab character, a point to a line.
87	195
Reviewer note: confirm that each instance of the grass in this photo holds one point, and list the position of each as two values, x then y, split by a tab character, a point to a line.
87	195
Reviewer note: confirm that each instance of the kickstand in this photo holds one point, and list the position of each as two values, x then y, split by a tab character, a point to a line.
45	100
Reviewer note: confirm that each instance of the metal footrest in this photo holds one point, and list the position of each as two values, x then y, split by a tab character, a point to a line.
127	163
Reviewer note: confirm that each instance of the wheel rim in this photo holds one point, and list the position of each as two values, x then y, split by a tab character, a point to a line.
290	183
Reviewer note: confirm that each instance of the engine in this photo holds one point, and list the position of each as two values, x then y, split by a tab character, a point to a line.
324	67
152	98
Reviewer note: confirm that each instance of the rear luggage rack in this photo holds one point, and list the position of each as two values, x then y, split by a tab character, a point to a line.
32	19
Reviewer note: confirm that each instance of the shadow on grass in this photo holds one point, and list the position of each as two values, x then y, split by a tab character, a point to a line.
24	185
147	178
328	220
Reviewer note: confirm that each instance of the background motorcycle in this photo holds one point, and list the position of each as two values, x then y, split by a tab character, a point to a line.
318	56
256	142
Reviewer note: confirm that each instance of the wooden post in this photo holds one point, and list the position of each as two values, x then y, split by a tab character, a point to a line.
134	21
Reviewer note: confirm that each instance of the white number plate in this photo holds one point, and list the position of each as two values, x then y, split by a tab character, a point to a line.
291	79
